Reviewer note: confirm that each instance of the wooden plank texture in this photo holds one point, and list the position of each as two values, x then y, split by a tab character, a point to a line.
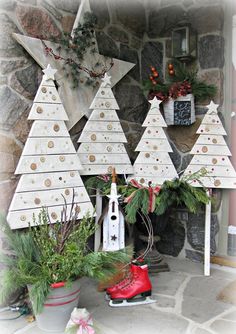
216	182
54	180
161	158
37	199
211	129
160	145
91	159
145	180
48	129
216	160
210	150
154	120
48	145
226	171
106	169
104	93
101	148
155	170
103	103
20	219
49	163
104	115
103	126
154	132
47	94
210	140
48	111
102	137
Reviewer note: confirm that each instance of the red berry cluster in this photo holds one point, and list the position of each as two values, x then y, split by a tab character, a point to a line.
171	69
154	75
179	89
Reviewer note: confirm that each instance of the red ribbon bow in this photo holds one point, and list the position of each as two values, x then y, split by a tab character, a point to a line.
153	191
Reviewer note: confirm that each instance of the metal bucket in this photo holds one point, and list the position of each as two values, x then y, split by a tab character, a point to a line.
58	307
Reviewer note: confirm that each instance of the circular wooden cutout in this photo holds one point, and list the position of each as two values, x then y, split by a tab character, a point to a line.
50	144
47	183
33	166
204	149
217	183
214	161
54	215
44	89
92	158
23	218
93	137
102	115
42	159
107	104
39	110
147	155
67	192
62	158
109	127
56	127
37	201
142	180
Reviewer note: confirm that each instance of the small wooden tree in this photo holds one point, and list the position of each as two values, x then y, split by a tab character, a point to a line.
153	164
102	139
49	163
211	154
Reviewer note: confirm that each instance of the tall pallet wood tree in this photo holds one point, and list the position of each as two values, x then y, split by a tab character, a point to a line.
49	163
102	149
153	164
102	139
211	154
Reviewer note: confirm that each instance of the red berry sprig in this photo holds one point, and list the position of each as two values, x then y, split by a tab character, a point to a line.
154	75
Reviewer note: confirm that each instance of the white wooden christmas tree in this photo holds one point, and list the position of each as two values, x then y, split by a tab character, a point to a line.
153	164
212	154
49	163
102	139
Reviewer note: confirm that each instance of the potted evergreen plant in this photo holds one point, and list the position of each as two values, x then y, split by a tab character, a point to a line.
179	92
49	259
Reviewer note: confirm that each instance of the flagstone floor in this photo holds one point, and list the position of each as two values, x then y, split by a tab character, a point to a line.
186	303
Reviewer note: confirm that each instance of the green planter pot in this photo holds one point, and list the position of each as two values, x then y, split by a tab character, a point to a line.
58	307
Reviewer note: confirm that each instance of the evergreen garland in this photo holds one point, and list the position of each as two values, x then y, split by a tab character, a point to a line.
76	47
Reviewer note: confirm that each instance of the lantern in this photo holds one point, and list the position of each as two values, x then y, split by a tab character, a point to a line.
184	42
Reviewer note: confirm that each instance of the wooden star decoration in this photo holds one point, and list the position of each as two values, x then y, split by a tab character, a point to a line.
113	237
49	73
76	101
212	108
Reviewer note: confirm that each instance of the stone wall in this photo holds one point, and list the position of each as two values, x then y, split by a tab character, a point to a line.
138	31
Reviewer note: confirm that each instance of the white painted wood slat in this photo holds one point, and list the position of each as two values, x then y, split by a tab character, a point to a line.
154	132
37	199
47	94
160	145
50	163
211	140
211	129
48	129
210	150
91	159
226	171
155	170
101	148
20	219
103	103
215	182
105	115
54	180
211	119
145	180
154	120
103	126
104	93
160	158
48	145
106	169
48	111
216	160
102	137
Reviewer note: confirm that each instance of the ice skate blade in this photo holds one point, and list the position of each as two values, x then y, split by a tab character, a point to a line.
125	303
